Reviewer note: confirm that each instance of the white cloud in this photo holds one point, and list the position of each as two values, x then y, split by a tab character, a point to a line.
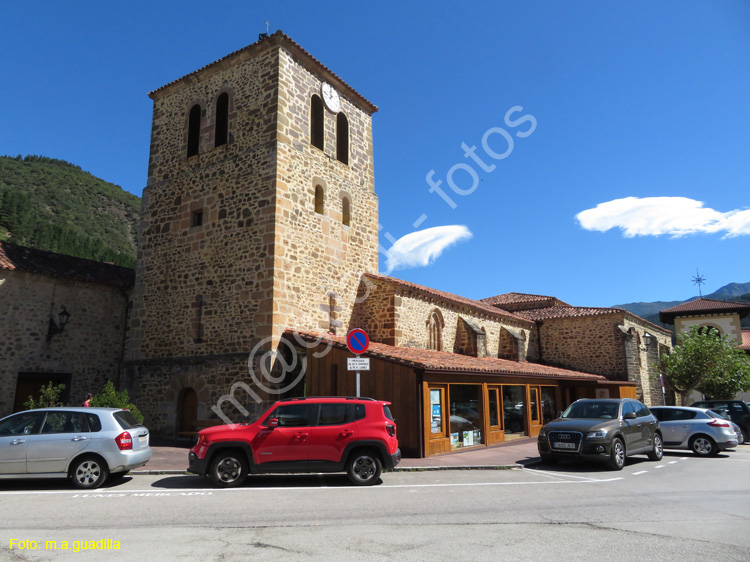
423	247
655	216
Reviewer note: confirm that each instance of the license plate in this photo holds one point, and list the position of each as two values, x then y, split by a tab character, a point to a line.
142	438
564	445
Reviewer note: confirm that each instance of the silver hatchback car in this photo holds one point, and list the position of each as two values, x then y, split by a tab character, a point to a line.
696	429
87	445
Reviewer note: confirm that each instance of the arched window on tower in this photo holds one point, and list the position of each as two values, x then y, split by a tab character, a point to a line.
342	139
222	120
317	128
346	211
435	326
319	200
194	131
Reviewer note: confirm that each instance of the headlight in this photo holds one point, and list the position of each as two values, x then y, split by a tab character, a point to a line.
600	434
542	434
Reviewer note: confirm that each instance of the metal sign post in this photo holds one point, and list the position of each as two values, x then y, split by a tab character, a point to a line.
357	364
357	341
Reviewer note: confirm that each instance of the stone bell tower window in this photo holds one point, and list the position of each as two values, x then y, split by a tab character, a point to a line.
194	131
342	139
346	211
222	120
317	128
319	200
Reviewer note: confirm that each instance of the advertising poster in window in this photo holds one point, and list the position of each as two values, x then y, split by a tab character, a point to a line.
437	415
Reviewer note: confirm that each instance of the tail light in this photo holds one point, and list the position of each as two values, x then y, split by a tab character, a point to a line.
124	441
391	429
718	423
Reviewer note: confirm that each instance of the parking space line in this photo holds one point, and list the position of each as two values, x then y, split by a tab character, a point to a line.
201	491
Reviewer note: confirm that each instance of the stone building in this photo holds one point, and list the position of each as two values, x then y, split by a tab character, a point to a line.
259	214
725	316
63	320
607	341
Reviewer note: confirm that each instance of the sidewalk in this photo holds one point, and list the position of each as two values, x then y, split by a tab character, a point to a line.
173	460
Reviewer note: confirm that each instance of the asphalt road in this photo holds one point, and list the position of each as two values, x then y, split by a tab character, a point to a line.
683	508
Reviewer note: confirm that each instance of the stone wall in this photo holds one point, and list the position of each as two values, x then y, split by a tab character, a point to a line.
316	255
90	347
399	315
613	345
208	288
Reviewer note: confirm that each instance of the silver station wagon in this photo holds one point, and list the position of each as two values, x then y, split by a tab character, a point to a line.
87	445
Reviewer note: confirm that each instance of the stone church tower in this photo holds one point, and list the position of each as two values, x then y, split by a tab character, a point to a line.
259	215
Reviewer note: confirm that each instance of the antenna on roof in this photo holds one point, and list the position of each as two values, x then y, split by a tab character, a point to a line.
699	280
263	35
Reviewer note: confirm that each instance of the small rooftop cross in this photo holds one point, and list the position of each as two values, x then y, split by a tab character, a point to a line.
266	27
699	280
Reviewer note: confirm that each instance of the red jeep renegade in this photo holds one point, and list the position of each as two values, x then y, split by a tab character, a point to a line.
336	434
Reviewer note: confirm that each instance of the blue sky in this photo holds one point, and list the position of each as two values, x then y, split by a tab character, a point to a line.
635	174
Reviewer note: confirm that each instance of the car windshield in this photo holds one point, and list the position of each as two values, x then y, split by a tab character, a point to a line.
592	409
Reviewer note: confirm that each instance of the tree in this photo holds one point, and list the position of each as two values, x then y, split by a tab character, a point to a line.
708	362
109	397
49	397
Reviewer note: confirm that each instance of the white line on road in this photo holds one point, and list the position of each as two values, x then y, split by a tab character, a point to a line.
673	462
202	491
660	466
640	472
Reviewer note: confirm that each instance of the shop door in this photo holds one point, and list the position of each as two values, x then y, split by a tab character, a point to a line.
535	410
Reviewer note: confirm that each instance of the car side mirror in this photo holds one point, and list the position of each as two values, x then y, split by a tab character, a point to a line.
629	416
273	422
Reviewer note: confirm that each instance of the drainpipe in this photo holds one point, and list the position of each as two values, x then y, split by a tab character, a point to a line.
539	339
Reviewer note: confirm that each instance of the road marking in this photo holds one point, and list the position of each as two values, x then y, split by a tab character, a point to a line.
206	491
673	462
559	475
640	472
660	466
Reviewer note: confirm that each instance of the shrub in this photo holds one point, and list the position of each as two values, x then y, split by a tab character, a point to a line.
109	397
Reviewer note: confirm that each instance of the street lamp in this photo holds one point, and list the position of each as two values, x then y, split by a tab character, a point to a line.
58	328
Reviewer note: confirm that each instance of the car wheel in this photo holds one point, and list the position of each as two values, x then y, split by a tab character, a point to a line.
228	469
703	446
363	468
89	472
657	452
548	459
616	455
745	435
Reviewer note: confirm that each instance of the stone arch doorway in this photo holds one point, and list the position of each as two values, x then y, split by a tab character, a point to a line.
187	408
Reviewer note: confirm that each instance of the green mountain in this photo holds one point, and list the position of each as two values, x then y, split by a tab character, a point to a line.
53	205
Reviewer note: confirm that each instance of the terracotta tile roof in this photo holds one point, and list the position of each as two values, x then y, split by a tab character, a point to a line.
20	258
430	360
568	311
704	305
506	298
745	340
522	301
450	297
282	39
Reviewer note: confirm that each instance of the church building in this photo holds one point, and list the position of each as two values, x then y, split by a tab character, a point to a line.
258	253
